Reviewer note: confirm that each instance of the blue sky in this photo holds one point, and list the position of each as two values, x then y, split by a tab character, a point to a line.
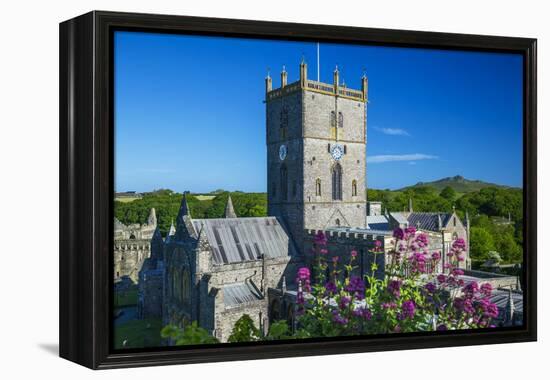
189	112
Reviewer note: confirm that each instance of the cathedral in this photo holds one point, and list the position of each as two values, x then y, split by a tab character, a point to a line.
215	270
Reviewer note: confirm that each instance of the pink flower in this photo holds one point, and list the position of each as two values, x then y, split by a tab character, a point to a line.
459	244
354	253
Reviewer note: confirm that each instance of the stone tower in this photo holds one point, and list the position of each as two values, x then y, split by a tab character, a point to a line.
316	153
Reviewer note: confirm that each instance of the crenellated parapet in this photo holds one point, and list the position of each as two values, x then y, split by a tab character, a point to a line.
305	84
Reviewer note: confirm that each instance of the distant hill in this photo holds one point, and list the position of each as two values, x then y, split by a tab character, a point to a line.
458	183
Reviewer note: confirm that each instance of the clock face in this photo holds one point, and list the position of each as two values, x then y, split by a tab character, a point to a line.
337	152
282	152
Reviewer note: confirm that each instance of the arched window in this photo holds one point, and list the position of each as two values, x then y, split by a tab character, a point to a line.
340	120
333	132
318	187
284	182
337	182
354	188
454	221
338	222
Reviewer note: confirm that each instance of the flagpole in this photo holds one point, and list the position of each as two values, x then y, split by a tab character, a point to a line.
318	76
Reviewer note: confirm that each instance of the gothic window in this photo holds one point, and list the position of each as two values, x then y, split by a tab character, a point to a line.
284	182
340	120
354	188
338	222
333	132
318	187
454	221
337	182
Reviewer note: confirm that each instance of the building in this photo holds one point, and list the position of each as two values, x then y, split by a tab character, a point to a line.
132	245
215	270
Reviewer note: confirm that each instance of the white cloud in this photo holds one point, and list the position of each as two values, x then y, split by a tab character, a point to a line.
393	131
399	157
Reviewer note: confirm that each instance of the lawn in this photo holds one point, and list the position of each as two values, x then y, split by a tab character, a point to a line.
138	333
127	199
126	298
205	197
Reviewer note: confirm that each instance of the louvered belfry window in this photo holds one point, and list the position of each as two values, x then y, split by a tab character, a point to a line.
337	182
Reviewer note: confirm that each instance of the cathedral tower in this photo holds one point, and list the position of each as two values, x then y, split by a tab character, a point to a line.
316	153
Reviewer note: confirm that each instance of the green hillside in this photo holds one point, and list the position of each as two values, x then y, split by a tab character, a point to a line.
457	183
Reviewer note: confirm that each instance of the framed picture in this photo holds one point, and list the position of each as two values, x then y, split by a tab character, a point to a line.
236	189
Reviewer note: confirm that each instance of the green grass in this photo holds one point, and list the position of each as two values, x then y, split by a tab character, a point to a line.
126	298
127	199
205	197
138	333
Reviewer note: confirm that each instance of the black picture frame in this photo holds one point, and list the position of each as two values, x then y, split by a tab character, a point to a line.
86	187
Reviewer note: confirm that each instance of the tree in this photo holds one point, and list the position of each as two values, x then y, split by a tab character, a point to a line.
481	242
244	330
448	193
189	334
508	248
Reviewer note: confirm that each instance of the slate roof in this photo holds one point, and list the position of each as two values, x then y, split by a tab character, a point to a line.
236	240
377	222
501	297
399	217
427	220
239	293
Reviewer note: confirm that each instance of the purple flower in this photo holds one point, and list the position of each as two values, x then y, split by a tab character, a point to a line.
459	244
442	327
470	289
356	286
441	278
408	309
354	253
410	230
399	234
320	238
457	272
330	288
362	312
303	278
344	302
422	240
430	287
336	317
304	273
394	287
388	305
436	256
486	288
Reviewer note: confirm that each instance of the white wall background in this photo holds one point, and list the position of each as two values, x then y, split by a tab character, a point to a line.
29	186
